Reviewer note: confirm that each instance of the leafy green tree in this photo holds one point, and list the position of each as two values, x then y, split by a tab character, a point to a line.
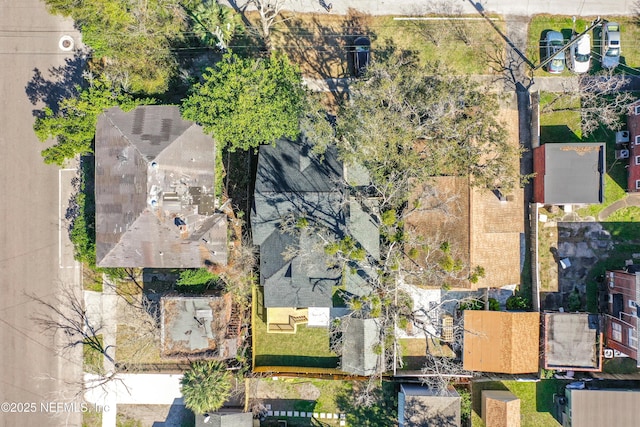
131	40
517	302
406	123
74	123
206	386
247	102
215	24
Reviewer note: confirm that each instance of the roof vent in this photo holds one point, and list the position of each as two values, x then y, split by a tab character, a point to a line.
154	203
154	165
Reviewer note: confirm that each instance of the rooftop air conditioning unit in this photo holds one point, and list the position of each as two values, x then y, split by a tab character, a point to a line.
622	136
622	154
608	353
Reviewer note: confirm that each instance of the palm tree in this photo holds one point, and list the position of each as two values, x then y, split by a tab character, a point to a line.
206	386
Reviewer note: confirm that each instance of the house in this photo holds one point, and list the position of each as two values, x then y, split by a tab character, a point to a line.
501	342
569	173
483	228
622	320
420	406
633	125
154	191
199	327
601	407
225	419
500	408
300	204
572	342
360	341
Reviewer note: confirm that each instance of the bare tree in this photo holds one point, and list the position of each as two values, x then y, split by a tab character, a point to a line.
66	315
508	65
601	100
269	10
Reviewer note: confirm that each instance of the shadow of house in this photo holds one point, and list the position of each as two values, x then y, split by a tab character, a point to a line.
419	406
154	191
301	205
572	341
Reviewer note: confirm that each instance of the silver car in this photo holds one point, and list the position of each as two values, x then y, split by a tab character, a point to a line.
610	45
554	43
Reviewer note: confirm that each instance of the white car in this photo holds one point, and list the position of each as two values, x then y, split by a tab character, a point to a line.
610	45
580	55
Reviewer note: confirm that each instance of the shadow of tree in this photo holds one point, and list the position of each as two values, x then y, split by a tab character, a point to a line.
57	83
383	411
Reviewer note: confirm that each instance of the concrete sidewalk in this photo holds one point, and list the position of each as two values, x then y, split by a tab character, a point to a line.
135	389
503	7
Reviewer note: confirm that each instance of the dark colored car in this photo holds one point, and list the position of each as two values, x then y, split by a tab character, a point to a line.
361	55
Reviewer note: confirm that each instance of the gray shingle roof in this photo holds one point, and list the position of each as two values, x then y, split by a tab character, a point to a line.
419	406
154	191
225	419
574	173
291	180
359	338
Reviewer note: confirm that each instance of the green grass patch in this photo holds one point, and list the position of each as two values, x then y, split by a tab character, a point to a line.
536	400
541	24
93	359
559	126
91	418
419	37
308	347
620	365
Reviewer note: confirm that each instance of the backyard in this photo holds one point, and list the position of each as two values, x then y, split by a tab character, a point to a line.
308	347
592	239
536	400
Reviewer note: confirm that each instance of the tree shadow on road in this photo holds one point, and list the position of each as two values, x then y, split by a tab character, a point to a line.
55	84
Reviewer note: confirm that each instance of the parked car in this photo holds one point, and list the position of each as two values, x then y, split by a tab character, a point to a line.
554	43
580	55
361	55
610	45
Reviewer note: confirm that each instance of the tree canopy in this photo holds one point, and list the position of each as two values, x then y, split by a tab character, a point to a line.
404	121
132	39
206	386
74	122
247	102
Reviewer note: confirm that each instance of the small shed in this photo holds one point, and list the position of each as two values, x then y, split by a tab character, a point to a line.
500	408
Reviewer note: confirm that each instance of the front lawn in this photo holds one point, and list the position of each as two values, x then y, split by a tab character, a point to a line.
320	43
536	400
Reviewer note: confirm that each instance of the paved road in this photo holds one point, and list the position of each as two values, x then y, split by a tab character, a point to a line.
31	255
506	7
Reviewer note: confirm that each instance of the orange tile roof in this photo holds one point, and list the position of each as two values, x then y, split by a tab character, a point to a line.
503	342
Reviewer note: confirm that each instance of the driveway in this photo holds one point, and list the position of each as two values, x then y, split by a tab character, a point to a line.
35	256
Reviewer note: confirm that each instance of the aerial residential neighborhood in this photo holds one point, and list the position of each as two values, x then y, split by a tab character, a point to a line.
304	213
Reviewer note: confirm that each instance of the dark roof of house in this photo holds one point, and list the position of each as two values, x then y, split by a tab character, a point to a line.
154	191
292	182
574	172
225	419
359	336
571	341
420	406
596	408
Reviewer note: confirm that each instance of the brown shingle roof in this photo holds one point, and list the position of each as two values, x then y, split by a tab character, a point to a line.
501	342
500	408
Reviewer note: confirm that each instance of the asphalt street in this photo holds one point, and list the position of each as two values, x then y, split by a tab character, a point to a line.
35	255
